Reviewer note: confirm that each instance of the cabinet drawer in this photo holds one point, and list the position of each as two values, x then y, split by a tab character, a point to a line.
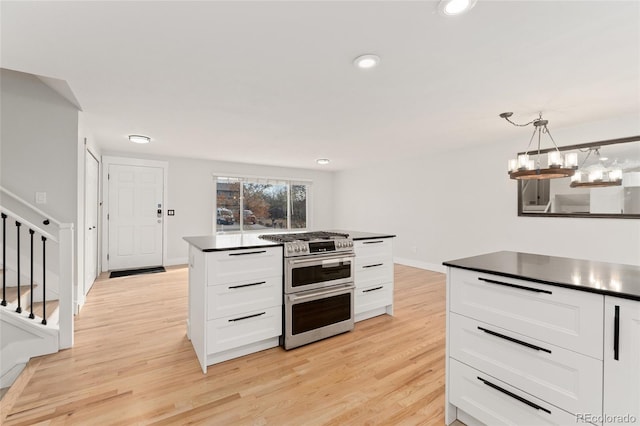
239	330
243	265
234	298
373	271
376	247
494	402
567	318
373	297
572	381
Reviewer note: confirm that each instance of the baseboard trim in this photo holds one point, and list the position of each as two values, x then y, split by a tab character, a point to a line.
177	261
421	265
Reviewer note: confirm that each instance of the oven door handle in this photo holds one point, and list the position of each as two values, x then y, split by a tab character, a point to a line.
319	259
295	298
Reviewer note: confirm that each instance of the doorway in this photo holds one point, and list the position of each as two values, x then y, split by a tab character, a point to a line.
134	204
92	189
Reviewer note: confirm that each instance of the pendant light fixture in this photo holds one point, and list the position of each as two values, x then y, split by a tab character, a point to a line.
525	167
596	175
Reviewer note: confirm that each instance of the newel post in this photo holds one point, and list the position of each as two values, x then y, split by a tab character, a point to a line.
66	285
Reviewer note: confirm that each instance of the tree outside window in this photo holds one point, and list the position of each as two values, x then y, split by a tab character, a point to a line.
260	204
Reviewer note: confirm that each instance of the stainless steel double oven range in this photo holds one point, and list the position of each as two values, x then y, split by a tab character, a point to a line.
318	285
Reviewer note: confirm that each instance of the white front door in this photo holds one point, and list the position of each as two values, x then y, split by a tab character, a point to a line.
91	189
135	216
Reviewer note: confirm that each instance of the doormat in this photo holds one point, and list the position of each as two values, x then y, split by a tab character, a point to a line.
127	272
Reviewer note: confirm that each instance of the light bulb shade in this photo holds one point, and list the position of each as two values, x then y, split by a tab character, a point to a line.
531	165
139	139
523	161
513	165
615	174
455	7
595	175
577	177
554	159
571	160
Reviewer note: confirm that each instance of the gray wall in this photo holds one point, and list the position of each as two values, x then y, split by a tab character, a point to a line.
39	144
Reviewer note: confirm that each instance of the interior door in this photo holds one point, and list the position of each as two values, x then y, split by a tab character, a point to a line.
135	216
91	190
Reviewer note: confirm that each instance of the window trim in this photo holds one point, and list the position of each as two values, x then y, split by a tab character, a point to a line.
257	179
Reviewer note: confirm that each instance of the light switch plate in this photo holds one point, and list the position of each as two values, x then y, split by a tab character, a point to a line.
41	198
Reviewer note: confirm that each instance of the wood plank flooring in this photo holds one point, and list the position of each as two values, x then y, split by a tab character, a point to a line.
133	365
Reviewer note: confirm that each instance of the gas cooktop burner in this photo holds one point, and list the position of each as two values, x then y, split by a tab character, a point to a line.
303	236
312	243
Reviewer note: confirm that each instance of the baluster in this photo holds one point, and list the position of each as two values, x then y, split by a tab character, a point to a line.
18	225
44	282
4	260
31	232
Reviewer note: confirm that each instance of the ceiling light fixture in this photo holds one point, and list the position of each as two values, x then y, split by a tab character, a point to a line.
139	139
455	7
367	61
322	161
557	166
597	174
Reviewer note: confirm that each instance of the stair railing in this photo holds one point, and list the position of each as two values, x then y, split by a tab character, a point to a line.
64	240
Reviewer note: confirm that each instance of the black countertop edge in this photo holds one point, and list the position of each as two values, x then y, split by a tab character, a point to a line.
226	242
553	283
612	279
242	248
359	235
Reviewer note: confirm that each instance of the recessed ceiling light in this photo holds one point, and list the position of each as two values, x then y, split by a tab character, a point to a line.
139	139
367	61
322	161
455	7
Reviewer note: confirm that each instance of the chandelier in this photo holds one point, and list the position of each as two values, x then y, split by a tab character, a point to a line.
596	175
525	167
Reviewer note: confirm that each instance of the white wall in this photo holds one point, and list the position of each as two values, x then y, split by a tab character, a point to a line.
454	204
191	194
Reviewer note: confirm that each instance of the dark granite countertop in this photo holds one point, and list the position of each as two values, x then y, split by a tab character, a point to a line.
359	235
228	242
585	275
245	241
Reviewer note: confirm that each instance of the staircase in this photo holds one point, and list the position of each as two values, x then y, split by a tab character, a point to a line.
36	310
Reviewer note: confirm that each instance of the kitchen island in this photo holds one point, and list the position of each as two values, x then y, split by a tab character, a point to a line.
534	339
236	290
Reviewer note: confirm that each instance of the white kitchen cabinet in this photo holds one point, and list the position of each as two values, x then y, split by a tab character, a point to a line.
497	403
621	361
521	352
563	317
373	278
235	302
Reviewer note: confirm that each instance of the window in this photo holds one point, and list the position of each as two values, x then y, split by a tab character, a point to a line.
254	204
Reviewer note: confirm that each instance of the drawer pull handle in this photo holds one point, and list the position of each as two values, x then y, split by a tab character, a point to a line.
247	317
372	266
373	242
616	333
246	285
247	253
513	395
521	287
511	339
372	289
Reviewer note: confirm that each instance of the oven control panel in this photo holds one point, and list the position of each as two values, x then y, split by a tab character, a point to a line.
301	248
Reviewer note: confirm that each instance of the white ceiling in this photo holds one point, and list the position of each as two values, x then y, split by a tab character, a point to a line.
272	82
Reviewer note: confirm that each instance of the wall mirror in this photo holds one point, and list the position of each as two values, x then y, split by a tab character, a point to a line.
606	184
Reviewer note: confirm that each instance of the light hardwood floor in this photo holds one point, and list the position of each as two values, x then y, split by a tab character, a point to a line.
132	364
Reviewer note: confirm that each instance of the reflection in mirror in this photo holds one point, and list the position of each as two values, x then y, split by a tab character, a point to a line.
606	184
